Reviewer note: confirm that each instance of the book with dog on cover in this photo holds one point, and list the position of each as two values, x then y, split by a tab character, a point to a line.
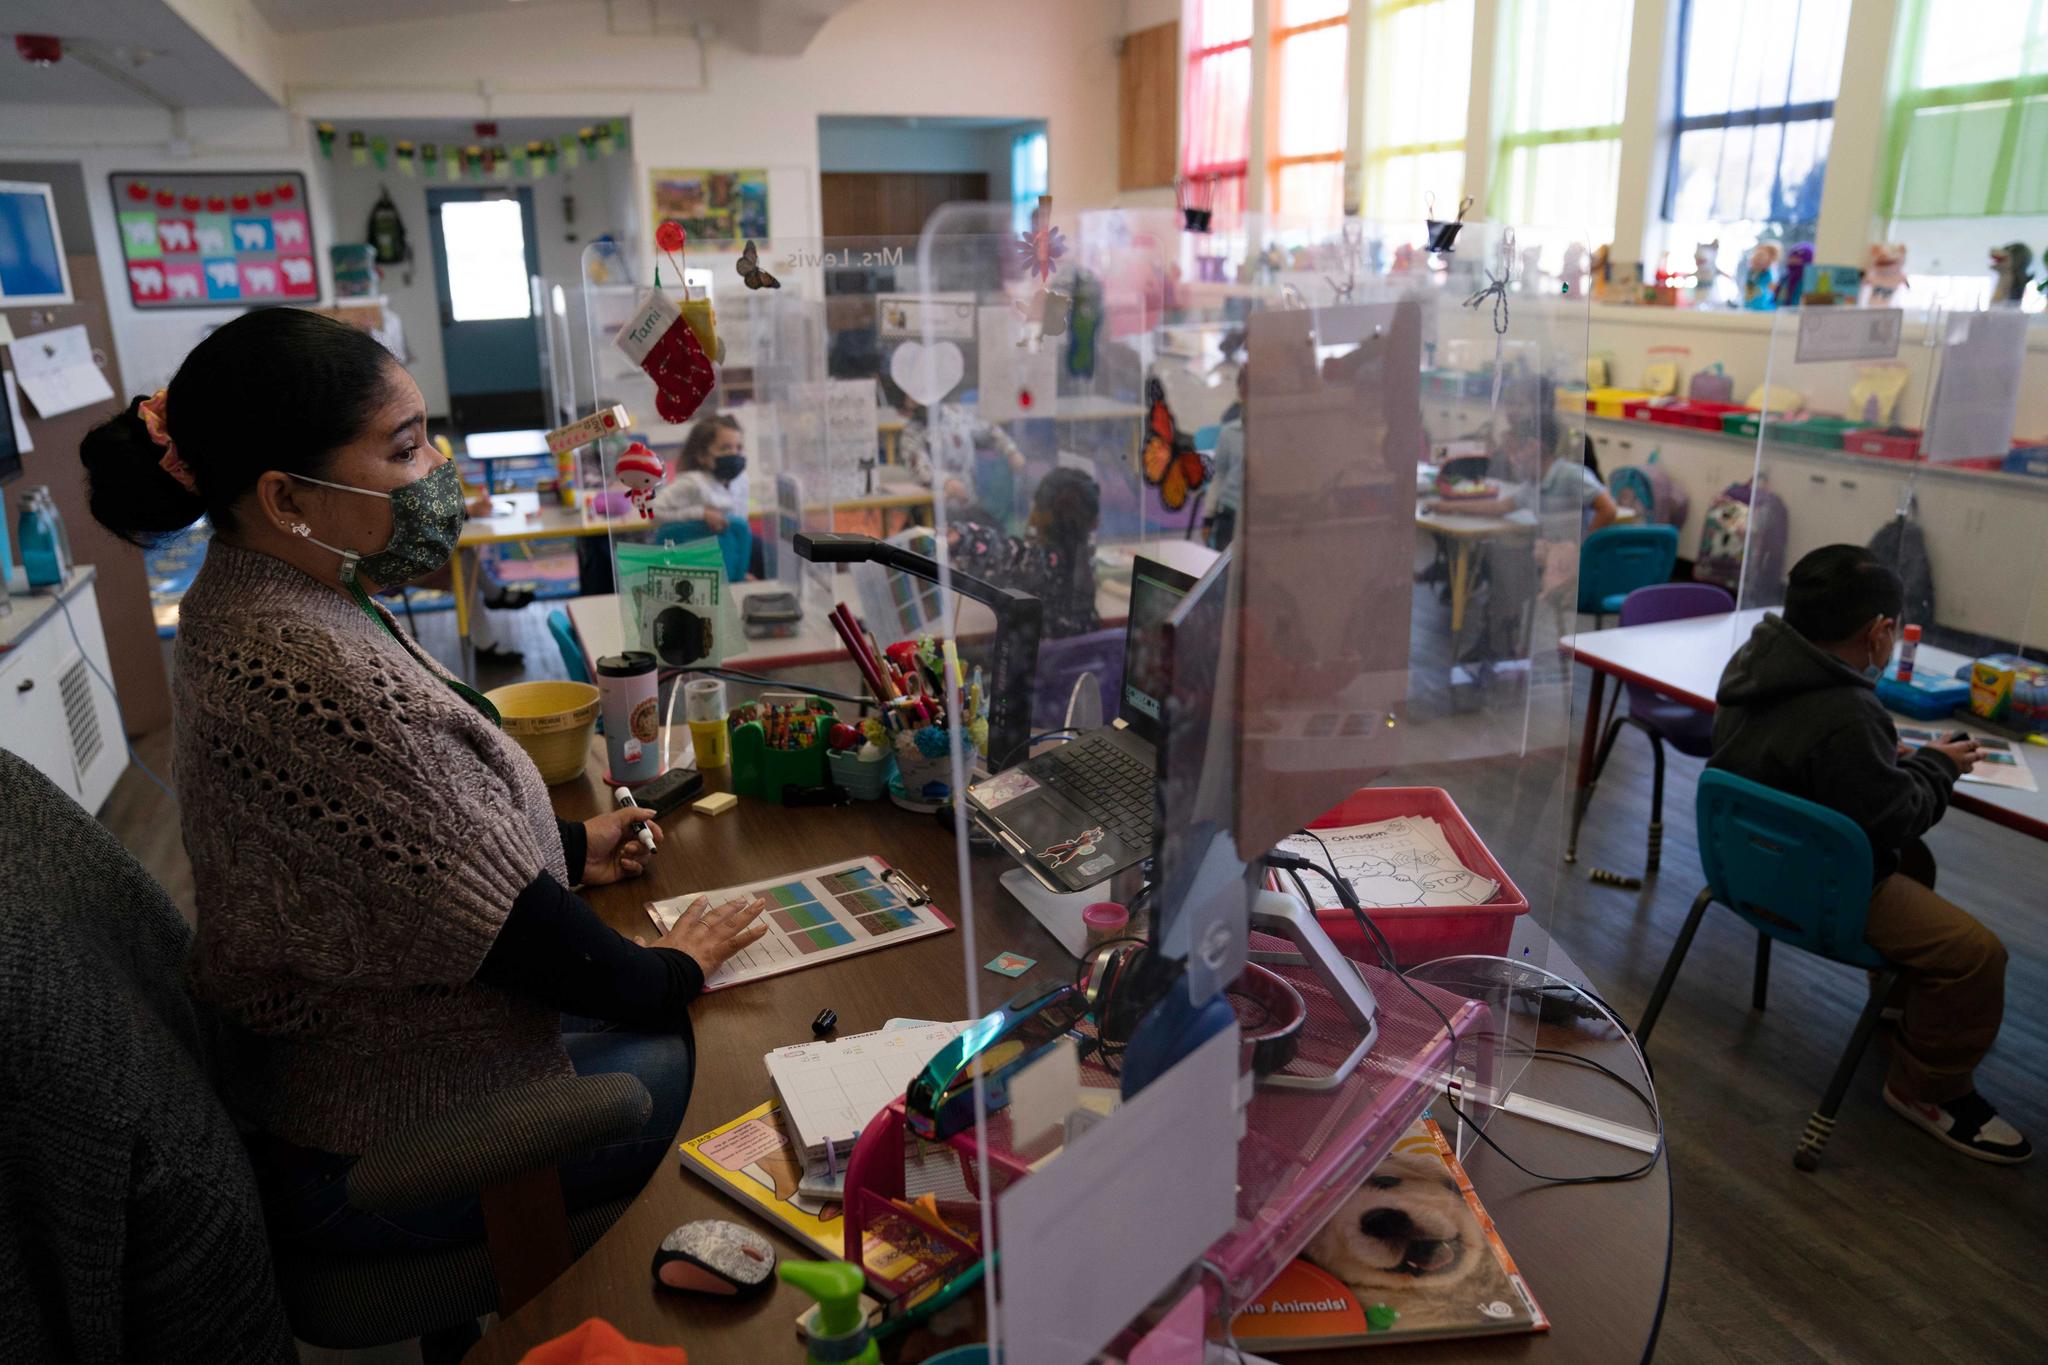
1409	1255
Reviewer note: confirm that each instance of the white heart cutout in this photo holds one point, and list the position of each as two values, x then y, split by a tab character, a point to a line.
927	373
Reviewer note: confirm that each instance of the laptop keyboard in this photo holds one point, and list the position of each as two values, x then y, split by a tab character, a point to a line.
1107	783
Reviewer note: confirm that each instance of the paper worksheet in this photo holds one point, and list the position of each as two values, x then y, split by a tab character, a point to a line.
2002	764
1403	861
56	371
1977	394
21	436
831	1090
816	916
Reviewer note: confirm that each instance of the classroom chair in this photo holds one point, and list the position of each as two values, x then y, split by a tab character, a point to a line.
1616	560
1063	662
1665	721
128	1184
1800	873
572	650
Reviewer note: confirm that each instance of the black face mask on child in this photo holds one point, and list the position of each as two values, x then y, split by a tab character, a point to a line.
726	468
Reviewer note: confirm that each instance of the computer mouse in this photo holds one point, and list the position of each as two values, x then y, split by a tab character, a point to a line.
712	1256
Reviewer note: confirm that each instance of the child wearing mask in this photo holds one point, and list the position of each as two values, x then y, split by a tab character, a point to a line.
710	482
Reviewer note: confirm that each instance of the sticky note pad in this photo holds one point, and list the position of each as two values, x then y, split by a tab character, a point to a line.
718	803
1012	964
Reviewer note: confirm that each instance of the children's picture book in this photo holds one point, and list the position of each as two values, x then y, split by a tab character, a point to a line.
2001	764
753	1160
815	916
1410	1255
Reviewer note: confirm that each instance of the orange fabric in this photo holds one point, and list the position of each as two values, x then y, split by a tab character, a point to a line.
597	1342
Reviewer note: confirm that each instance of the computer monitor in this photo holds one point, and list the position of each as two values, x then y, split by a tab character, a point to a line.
33	269
10	452
1156	591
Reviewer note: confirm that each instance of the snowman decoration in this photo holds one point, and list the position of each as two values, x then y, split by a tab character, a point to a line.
642	471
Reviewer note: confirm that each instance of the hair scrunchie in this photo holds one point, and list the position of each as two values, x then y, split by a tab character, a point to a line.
151	410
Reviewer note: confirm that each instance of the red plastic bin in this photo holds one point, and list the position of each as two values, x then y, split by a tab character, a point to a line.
1882	443
1421	933
1693	412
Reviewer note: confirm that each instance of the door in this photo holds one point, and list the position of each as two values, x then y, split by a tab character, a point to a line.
485	252
892	203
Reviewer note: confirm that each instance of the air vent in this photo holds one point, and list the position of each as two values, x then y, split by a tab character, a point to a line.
81	717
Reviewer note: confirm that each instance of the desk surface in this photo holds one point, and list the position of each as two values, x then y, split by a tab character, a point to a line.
523	516
1684	659
596	617
1596	1257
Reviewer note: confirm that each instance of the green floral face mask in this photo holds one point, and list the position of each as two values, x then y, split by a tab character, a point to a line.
426	521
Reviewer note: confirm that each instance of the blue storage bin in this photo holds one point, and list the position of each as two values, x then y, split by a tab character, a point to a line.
1926	696
2027	460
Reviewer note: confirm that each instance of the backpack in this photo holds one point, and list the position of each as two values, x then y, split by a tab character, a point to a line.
1744	516
1901	544
1649	490
386	231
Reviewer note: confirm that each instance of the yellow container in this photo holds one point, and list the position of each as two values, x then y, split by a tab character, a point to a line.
1608	402
552	721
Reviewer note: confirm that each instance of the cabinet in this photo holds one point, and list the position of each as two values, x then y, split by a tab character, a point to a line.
53	711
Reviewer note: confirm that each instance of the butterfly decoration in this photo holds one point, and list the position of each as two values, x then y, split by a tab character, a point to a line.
1172	464
1044	314
749	266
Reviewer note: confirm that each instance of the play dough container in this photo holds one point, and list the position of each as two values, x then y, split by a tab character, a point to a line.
552	721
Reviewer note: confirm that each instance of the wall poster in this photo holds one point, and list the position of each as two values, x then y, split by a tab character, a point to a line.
712	206
207	239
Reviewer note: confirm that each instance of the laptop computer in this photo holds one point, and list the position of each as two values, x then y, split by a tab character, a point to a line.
1084	811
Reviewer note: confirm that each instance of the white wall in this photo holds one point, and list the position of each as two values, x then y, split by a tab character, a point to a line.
602	190
1053	60
150	344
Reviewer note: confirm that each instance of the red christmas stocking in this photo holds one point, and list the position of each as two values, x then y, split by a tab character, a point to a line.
658	340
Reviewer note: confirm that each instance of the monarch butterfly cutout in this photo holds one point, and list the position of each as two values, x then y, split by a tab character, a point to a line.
1172	464
749	266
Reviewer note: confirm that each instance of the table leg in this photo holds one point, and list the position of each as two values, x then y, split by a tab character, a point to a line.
1582	781
1461	588
461	591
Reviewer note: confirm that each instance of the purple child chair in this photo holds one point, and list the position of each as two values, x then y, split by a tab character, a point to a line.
1664	720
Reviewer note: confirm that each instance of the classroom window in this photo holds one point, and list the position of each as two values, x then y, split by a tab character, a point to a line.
1310	105
1420	58
486	259
1755	110
1216	108
1559	167
1030	177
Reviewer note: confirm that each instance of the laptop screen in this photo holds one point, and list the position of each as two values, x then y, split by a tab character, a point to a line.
1155	591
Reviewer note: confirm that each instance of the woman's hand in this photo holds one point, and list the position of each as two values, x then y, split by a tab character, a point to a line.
715	519
711	934
614	853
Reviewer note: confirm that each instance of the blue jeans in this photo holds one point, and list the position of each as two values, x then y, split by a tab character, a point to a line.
305	1191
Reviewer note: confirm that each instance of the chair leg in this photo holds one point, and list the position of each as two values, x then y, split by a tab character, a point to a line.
1671	966
1821	1126
1600	876
1656	853
1760	983
1584	797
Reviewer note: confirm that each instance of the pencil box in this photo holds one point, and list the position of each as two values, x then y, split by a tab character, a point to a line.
761	770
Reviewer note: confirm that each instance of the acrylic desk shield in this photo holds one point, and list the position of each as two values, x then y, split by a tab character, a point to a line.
1310	676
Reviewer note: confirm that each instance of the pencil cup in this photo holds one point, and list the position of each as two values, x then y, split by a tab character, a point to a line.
924	759
704	709
863	781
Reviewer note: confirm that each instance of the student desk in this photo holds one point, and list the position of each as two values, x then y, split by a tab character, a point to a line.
596	617
1683	660
1463	533
1597	1256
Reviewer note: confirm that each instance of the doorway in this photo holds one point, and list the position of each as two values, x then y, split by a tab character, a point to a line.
885	176
486	253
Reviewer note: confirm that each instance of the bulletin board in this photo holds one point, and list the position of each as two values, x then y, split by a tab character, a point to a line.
712	206
199	240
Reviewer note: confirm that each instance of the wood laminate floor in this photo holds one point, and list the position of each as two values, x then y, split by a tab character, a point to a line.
1897	1250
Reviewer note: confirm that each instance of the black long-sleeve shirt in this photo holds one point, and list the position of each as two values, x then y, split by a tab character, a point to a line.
554	948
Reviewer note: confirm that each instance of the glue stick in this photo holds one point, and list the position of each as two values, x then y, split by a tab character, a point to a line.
1909	645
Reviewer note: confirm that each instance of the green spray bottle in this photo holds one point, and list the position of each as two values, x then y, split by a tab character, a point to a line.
837	1328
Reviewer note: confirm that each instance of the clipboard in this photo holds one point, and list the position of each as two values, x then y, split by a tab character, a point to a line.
819	915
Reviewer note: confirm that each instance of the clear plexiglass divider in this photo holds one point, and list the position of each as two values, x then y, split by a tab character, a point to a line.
1197	511
1923	437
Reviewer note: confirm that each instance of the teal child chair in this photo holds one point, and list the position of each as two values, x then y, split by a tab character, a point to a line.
735	542
1800	873
565	640
1616	560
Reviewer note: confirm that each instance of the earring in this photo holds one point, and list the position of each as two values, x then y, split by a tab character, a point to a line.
299	528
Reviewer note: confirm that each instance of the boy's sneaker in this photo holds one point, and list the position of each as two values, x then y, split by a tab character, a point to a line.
1969	1124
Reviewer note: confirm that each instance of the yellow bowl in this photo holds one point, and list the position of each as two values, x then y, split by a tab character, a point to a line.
552	721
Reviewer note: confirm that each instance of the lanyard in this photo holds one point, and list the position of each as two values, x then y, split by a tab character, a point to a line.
461	689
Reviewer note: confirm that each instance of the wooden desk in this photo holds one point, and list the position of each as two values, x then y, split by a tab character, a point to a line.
1684	659
1597	1257
1464	532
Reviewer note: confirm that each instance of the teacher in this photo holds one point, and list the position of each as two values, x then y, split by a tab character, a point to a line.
384	909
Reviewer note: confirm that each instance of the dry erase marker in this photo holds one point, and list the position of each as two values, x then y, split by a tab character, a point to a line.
624	797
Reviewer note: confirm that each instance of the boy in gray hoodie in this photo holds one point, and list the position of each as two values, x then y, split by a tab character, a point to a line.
1798	711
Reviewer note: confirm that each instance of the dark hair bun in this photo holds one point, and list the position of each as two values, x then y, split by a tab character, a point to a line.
130	494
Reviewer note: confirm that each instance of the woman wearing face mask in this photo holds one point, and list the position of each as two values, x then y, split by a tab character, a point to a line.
383	891
710	483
